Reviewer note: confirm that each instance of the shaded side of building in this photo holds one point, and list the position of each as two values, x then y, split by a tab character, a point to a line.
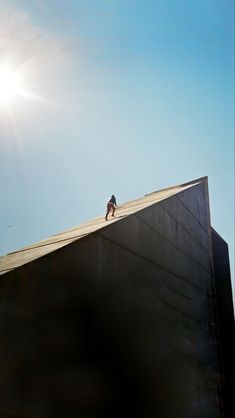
117	323
224	322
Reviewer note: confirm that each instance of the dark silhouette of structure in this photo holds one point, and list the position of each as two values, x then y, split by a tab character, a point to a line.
127	318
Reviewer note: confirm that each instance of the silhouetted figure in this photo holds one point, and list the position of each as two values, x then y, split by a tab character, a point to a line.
111	206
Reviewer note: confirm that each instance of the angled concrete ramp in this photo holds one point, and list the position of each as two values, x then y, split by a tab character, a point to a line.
41	248
115	319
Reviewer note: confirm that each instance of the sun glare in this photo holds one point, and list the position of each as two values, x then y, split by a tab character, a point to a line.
11	85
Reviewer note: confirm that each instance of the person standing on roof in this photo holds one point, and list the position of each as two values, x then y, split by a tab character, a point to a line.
111	206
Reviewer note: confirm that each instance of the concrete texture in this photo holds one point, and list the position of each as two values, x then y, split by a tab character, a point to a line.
115	318
224	322
55	242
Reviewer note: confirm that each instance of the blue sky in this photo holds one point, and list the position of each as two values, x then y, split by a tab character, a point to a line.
128	97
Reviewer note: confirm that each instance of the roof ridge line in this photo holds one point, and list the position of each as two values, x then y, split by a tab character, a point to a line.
200	179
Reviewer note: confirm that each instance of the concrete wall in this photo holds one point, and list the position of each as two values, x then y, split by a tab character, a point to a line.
224	322
120	323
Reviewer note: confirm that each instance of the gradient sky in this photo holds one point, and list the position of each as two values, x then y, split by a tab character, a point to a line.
127	97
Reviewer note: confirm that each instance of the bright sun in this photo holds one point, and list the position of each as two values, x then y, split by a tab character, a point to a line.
11	85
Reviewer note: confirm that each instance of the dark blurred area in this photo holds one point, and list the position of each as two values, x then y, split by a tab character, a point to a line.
90	352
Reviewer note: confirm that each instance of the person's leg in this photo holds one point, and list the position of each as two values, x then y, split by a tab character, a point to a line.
113	208
108	210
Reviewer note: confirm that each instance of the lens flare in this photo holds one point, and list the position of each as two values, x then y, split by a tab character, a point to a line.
11	85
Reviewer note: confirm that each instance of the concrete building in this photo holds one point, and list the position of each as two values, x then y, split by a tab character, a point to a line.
127	318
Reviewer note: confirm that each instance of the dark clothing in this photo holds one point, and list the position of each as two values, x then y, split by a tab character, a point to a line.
111	206
113	200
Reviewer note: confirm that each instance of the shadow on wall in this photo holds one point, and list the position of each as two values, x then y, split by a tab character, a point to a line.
92	353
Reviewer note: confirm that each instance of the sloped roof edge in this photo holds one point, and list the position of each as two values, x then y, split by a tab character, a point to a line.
27	254
189	183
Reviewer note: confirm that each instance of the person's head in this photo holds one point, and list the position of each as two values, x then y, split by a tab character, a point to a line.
112	195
